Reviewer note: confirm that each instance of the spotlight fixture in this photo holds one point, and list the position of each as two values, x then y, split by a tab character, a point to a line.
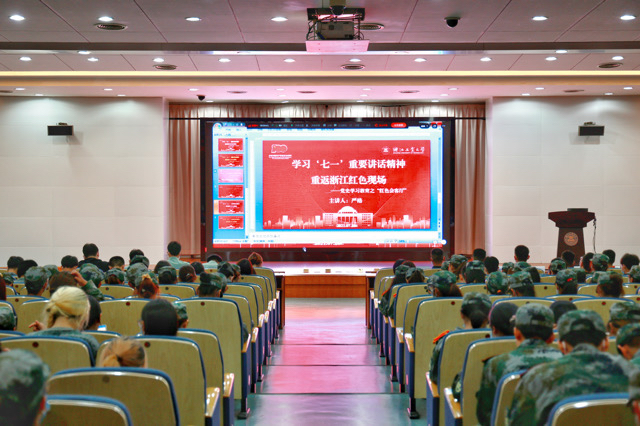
628	88
485	59
627	17
539	88
452	21
355	60
224	60
550	58
539	18
193	89
608	94
193	19
453	88
25	58
279	19
561	51
20	88
84	52
107	89
420	60
526	94
617	58
158	60
105	19
92	59
16	18
289	60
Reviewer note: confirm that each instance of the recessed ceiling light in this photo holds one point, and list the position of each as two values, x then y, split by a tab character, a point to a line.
289	60
158	60
193	19
25	58
366	88
435	100
420	60
209	101
364	95
105	19
550	58
280	89
485	59
539	88
84	52
193	89
92	59
355	60
39	94
628	17
526	94
608	94
282	96
20	88
617	58
444	94
561	51
224	60
16	17
285	102
107	89
121	95
628	88
359	100
279	19
453	88
409	91
539	18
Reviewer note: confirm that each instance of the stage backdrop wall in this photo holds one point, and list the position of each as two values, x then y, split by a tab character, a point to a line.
106	184
184	154
539	164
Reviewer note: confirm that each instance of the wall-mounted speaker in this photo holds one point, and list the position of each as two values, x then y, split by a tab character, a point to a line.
591	130
60	130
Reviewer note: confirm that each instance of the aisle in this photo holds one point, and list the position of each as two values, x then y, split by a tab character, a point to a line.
326	370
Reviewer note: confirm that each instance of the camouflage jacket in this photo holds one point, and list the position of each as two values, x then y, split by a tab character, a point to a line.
435	356
531	352
92	290
584	371
636	359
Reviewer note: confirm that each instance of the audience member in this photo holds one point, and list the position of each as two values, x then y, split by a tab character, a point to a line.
634	274
95	314
507	267
556	265
198	267
599	262
213	260
437	258
212	284
585	263
181	311
35	281
246	268
479	254
521	285
497	283
443	284
610	285
115	276
628	343
8	319
415	275
174	248
491	264
22	388
561	307
569	258
51	270
622	313
13	263
161	264
24	267
123	352
187	274
135	252
585	368
397	263
89	277
611	255
502	319
140	259
255	259
60	280
521	253
116	262
92	255
159	318
628	261
474	273
3	288
69	263
534	272
227	269
581	274
457	265
146	286
167	275
566	282
634	394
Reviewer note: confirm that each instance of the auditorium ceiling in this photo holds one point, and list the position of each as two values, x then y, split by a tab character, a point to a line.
236	52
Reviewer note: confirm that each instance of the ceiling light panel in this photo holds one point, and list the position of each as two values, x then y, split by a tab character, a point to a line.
473	62
38	63
540	62
630	62
146	62
77	62
408	63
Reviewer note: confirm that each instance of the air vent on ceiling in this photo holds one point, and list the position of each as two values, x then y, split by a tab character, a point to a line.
352	67
111	27
306	92
409	91
573	90
610	65
165	67
237	92
370	26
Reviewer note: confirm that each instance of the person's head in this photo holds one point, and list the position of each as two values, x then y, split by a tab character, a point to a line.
60	280
521	266
397	263
226	269
159	318
22	388
585	263
140	259
415	275
217	258
24	267
69	263
628	261
69	306
502	319
561	307
581	274
634	274
212	284
174	248
582	326
255	259
599	262
400	275
167	275
521	284
556	265
611	255
634	394
628	340
474	272
491	264
115	276
535	274
91	272
146	287
567	282
51	270
116	262
443	284
198	267
181	311
437	256
521	253
569	258
13	263
160	264
457	265
246	268
497	283
445	265
35	280
610	285
475	309
534	321
622	313
507	267
479	254
90	250
187	274
95	314
8	319
135	252
123	352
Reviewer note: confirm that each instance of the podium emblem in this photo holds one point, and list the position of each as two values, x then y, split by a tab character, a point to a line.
571	239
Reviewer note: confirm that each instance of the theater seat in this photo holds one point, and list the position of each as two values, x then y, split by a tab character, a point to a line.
504	396
545	289
81	410
102	336
404	326
60	353
521	301
589	289
179	290
595	409
569	297
28	312
131	386
468	288
116	291
122	315
9	333
601	305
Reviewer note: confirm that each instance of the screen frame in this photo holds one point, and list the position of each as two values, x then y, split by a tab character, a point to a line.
325	253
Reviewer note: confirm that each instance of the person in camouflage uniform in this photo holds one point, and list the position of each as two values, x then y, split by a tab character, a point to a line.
566	282
585	368
600	262
557	265
533	332
474	274
507	267
628	343
622	313
497	283
521	285
634	394
400	277
36	280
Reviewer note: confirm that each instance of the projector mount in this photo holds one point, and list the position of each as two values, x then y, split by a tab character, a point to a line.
336	22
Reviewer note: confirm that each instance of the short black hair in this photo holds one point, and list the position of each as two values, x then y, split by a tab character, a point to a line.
160	318
522	253
174	248
69	261
186	274
561	307
437	254
491	263
246	268
592	337
94	312
536	331
535	274
474	276
569	257
612	287
14	262
90	249
479	254
160	264
116	262
611	255
630	260
135	252
24	266
586	261
198	267
215	257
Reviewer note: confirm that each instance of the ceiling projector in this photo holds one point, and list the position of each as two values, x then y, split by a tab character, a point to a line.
335	28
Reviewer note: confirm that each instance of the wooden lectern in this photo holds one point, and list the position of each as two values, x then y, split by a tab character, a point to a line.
570	235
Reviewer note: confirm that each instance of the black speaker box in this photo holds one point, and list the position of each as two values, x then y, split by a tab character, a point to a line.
60	130
591	130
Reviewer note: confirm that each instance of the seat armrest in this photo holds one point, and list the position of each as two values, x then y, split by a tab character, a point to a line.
278	294
433	386
375	303
266	317
270	305
213	400
254	335
386	320
452	405
400	335
229	380
245	346
392	322
408	339
260	320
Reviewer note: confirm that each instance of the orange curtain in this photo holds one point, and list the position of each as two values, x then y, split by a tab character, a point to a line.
184	159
